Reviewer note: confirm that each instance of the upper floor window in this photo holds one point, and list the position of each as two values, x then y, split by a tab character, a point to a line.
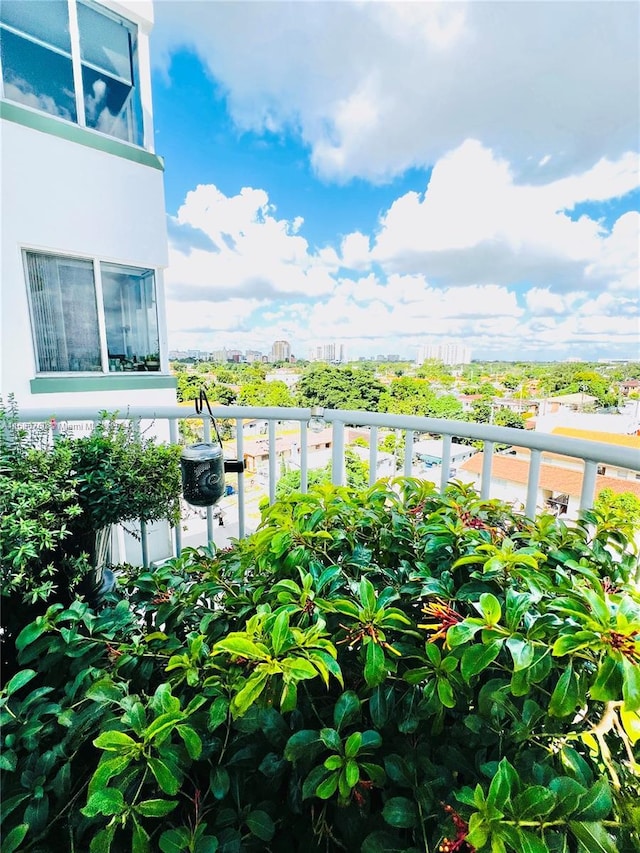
90	317
75	60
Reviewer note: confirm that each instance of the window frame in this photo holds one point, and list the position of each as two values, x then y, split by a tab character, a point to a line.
96	264
77	65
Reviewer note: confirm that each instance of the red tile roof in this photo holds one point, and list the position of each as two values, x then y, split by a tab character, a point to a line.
552	477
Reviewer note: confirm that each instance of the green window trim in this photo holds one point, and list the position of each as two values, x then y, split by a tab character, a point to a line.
80	135
108	382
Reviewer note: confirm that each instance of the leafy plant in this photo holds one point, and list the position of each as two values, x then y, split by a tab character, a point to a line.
56	493
378	670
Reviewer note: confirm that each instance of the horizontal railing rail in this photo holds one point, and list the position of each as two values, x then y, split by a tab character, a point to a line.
590	453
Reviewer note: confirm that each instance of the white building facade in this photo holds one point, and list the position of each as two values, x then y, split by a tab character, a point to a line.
449	353
84	240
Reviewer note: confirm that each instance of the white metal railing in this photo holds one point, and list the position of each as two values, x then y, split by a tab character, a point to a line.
591	453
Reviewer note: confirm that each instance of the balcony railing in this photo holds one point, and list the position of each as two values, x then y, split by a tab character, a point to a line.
591	454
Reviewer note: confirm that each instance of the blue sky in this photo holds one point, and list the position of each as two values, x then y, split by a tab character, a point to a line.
393	174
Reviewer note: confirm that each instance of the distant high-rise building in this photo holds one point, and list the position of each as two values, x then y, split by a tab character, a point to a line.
449	353
331	351
253	355
281	351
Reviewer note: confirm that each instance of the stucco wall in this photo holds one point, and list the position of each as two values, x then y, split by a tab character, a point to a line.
61	196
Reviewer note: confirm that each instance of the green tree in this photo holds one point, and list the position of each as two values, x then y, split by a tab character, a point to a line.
339	388
263	393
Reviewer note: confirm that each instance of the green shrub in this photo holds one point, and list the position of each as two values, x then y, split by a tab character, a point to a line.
56	493
387	670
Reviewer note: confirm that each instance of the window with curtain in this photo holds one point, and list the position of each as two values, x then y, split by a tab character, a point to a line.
38	58
66	315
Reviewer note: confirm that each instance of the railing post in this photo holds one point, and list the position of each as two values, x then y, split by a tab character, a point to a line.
532	483
177	530
272	461
487	461
144	542
446	462
337	455
304	450
408	453
373	455
588	484
241	496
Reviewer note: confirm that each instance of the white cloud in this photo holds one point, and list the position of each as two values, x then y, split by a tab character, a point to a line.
253	254
475	219
374	88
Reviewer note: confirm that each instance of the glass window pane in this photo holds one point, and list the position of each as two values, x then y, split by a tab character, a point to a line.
105	43
111	106
64	313
131	318
36	76
47	20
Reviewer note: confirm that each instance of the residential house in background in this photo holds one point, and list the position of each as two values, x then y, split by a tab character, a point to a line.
560	481
83	235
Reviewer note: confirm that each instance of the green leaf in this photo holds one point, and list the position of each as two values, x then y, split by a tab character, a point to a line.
191	741
14	839
261	825
252	689
30	633
19	680
101	843
382	842
174	840
219	782
161	724
445	693
155	808
380	705
116	742
576	766
352	773
592	837
568	793
352	746
530	843
239	645
400	812
631	685
108	801
165	776
534	802
608	684
328	788
595	804
476	658
504	785
367	595
564	698
346	710
371	739
490	608
104	690
375	670
218	713
522	652
573	642
303	744
331	739
461	633
106	770
280	632
140	839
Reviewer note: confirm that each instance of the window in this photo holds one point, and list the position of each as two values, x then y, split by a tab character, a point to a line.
41	59
74	332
